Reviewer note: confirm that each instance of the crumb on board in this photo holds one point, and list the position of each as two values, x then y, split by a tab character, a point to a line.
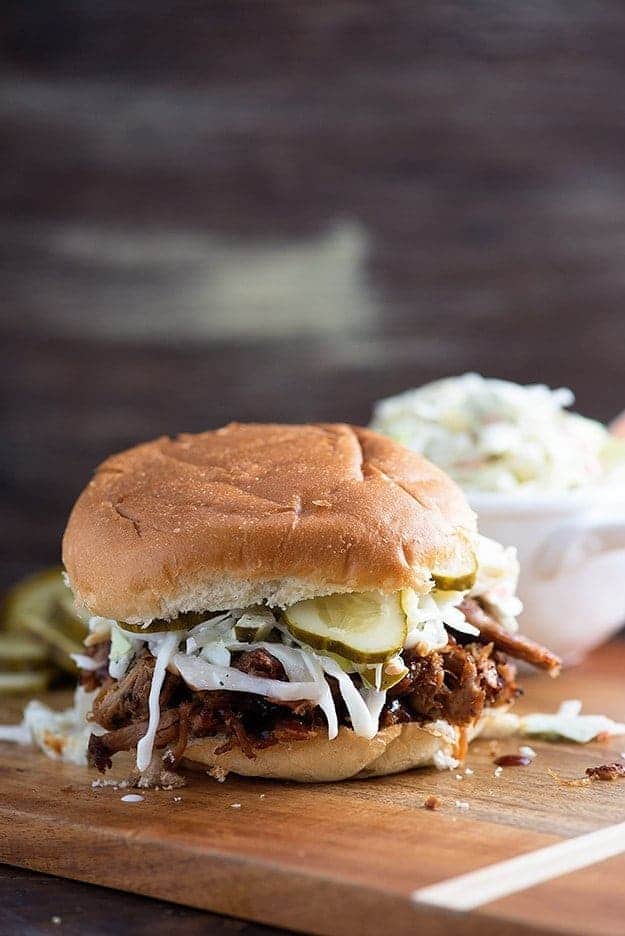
235	805
163	780
462	804
177	799
114	784
433	802
606	772
132	798
498	772
526	751
468	771
218	774
564	781
55	742
444	761
158	779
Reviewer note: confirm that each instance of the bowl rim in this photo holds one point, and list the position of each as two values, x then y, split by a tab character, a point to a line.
527	502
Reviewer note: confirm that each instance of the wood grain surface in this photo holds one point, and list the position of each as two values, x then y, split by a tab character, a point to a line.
343	857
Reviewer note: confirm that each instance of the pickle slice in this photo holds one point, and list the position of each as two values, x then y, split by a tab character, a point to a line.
41	606
388	680
255	623
27	683
19	653
458	572
378	676
182	623
366	627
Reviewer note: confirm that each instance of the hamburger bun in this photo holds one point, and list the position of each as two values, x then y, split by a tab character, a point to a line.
318	760
258	513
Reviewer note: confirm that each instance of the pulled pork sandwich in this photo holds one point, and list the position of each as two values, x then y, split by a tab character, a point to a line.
305	602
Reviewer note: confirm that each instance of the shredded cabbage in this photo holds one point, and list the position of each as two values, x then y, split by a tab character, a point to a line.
121	653
497	577
426	629
567	723
326	702
60	735
200	674
85	662
100	625
429	615
494	435
363	722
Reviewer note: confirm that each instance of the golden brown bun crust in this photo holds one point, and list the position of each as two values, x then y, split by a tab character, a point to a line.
258	512
317	760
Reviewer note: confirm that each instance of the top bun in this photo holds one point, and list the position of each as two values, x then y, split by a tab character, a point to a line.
253	513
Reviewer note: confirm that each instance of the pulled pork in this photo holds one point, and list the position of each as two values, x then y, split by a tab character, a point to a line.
513	644
455	684
91	680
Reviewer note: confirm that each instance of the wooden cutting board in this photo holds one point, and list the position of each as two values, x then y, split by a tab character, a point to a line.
343	858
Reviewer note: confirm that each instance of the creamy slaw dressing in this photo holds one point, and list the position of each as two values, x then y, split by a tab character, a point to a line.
162	647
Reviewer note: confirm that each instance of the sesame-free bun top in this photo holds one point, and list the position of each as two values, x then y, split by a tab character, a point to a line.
258	512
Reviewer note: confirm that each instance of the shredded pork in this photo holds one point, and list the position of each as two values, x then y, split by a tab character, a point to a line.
454	684
517	646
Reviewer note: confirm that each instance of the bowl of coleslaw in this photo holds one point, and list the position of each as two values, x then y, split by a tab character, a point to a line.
541	478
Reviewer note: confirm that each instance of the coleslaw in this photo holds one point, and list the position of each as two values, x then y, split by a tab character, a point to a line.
494	435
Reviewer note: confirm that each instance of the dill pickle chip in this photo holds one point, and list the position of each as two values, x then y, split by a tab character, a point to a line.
41	607
388	680
25	682
19	653
183	622
458	572
365	627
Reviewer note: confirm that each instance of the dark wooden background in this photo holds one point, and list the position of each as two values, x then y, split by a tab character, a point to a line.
219	211
262	210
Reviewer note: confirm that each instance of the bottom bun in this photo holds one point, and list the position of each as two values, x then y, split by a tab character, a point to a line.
319	760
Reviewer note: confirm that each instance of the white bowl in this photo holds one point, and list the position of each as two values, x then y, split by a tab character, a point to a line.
571	547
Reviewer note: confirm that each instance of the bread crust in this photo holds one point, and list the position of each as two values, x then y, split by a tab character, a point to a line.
318	760
258	512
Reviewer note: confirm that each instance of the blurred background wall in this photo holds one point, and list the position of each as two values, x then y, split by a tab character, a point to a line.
265	210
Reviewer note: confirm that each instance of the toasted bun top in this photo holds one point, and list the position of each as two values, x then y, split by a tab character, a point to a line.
252	513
